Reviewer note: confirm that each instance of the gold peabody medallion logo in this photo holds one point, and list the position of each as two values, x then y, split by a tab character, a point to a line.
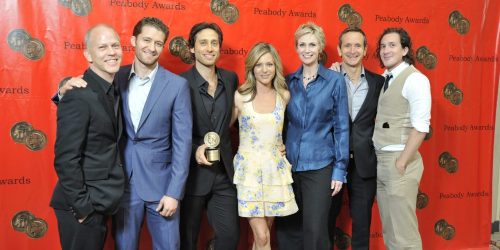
426	57
225	10
19	40
459	22
422	200
26	222
23	133
453	94
448	162
178	47
78	7
350	16
445	230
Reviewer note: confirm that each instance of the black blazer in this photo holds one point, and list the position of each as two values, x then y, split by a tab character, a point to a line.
87	159
361	129
200	179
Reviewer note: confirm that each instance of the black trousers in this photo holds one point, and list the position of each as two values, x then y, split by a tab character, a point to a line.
361	196
90	234
222	211
308	228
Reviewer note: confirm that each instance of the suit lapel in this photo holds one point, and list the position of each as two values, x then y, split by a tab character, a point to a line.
198	101
157	88
124	87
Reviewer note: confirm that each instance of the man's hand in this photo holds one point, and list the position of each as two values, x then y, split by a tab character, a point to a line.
336	187
282	149
335	66
167	206
74	82
400	166
200	156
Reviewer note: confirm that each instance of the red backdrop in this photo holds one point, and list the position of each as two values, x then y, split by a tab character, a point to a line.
462	41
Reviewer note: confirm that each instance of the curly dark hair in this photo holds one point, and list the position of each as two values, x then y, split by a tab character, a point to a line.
405	41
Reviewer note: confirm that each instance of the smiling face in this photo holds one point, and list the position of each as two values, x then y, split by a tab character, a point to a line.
148	45
391	50
352	49
265	70
104	52
206	48
308	49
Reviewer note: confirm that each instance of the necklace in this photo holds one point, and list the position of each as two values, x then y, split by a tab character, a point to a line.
309	78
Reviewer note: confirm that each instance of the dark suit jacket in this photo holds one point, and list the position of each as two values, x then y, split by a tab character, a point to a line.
87	159
361	129
201	178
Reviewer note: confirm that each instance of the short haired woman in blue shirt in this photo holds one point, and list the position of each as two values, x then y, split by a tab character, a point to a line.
317	143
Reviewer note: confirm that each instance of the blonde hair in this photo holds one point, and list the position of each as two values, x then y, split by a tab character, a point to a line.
250	84
311	28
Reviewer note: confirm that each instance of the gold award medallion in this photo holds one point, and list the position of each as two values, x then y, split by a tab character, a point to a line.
216	6
454	17
20	131
34	49
36	140
17	39
36	228
457	97
344	12
81	7
212	140
230	14
421	53
21	220
354	20
177	44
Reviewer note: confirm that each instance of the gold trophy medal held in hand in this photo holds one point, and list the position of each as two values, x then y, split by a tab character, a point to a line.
212	141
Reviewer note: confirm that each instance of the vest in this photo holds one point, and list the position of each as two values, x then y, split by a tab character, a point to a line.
393	124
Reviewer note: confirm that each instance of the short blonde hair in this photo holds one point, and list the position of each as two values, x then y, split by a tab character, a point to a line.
311	28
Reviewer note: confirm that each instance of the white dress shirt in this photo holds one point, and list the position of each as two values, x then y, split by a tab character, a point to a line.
138	92
417	90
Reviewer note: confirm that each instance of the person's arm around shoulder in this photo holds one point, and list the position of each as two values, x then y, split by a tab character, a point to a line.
182	124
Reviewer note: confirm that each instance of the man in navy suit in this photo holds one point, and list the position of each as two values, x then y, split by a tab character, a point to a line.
156	147
363	89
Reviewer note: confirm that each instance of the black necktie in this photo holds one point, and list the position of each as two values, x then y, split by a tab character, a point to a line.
386	82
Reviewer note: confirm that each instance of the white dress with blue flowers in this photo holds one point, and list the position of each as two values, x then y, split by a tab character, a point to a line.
262	176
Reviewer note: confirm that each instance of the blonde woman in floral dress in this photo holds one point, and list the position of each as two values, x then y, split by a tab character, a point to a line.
262	174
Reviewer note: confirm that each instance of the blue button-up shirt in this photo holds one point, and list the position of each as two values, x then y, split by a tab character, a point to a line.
318	123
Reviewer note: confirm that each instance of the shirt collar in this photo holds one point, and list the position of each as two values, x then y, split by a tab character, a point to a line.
345	73
151	74
105	85
397	70
322	72
200	81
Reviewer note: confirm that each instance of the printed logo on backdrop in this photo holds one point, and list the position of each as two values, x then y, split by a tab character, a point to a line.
178	47
426	57
459	22
445	230
19	40
279	12
26	222
350	16
342	239
23	133
225	10
422	200
78	7
143	4
448	162
453	94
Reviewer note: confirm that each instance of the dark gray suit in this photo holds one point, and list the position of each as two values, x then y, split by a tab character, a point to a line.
362	170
